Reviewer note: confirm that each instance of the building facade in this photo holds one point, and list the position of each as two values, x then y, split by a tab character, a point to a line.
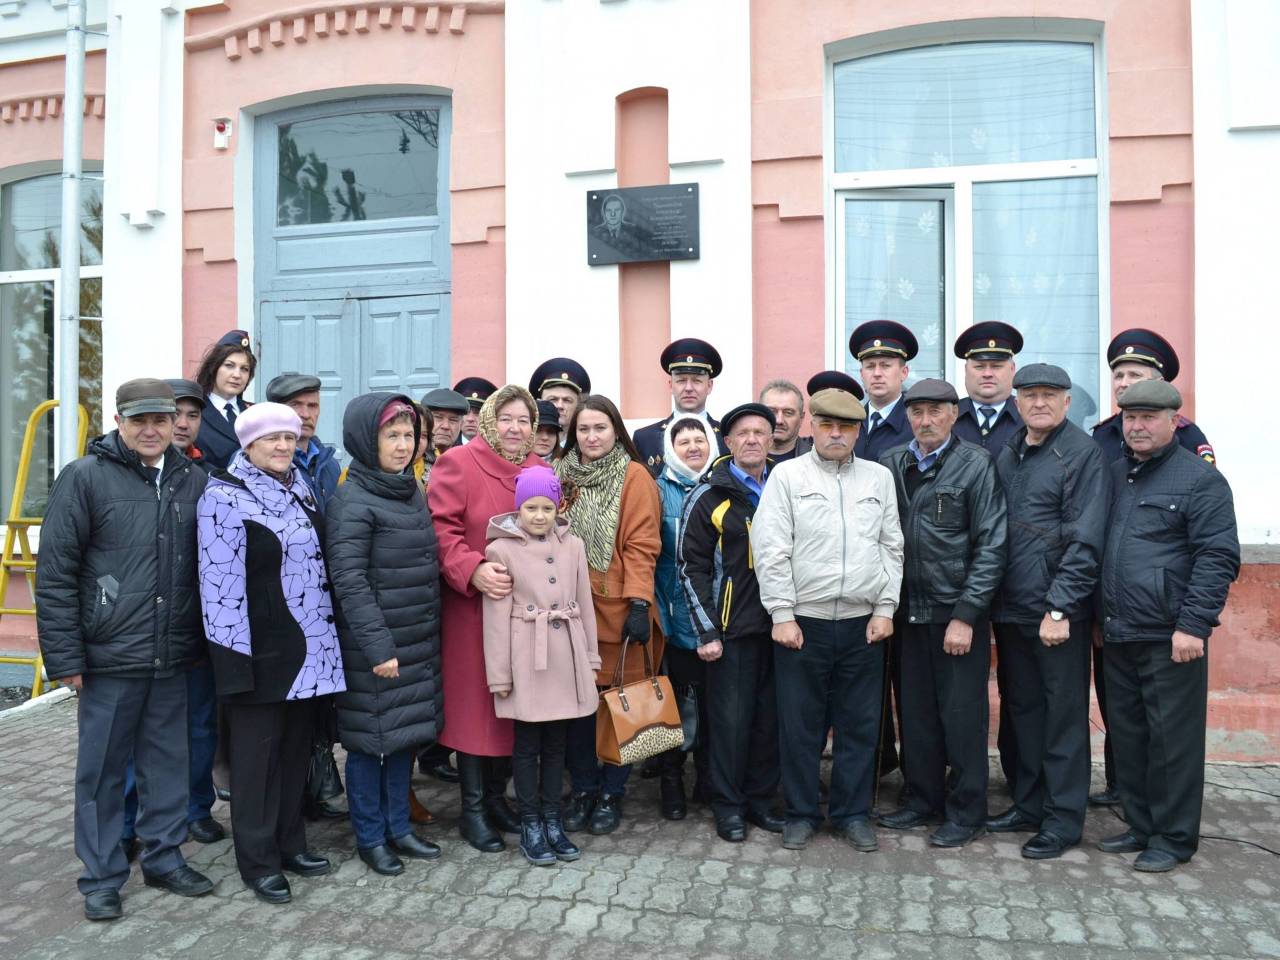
393	195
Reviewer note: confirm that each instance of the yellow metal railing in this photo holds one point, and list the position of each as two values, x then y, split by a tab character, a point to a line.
17	529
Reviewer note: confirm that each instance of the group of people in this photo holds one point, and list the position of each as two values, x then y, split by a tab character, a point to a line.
221	591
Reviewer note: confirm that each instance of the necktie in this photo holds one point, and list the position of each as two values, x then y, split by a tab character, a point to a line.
988	418
230	409
876	420
153	474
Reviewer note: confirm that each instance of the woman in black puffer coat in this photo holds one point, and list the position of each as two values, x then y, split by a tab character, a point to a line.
381	550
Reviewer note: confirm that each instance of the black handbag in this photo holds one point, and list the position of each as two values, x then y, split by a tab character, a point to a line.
688	700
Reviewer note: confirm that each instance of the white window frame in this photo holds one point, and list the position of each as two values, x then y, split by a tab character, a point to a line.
959	180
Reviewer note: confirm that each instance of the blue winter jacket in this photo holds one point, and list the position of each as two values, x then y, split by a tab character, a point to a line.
321	473
673	609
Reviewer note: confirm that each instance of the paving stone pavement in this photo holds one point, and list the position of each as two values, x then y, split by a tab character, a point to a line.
668	889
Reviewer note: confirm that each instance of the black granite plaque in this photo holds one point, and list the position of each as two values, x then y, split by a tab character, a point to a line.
636	224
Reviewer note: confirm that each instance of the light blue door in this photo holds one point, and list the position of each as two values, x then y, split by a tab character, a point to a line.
351	244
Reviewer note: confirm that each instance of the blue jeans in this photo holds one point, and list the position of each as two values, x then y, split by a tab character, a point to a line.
587	773
202	742
378	796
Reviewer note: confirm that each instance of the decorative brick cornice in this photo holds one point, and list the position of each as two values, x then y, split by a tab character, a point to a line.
324	19
47	106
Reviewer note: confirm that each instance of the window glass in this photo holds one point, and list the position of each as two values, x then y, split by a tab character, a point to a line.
965	103
31	223
1035	265
358	166
895	269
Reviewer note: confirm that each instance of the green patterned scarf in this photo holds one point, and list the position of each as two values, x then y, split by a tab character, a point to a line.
593	492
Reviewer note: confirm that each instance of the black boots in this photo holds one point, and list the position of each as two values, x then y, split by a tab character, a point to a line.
557	840
496	808
671	789
533	842
473	824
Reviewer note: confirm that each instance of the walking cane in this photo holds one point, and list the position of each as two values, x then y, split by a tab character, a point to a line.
884	712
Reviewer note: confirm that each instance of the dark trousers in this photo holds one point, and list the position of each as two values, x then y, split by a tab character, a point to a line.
121	717
202	742
1100	688
269	746
1156	713
1006	742
686	669
1049	703
377	796
836	673
587	773
537	765
944	723
742	708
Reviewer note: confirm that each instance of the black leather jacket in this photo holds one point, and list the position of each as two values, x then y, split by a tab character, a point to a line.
954	531
1172	548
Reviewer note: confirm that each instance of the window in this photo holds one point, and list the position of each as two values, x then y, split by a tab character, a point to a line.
966	189
30	225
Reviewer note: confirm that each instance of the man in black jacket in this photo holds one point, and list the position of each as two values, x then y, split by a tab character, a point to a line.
1057	489
953	525
1172	553
734	629
119	621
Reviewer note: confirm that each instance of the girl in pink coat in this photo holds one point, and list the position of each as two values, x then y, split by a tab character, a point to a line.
540	653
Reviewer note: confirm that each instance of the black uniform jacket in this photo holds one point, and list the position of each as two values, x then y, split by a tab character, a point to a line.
1110	437
969	426
892	432
648	441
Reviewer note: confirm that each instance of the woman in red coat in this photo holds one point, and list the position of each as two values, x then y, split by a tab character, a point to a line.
469	485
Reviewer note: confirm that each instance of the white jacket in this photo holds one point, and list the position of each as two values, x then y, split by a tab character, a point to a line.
827	540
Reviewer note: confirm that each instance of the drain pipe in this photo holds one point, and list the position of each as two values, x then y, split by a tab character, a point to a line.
68	418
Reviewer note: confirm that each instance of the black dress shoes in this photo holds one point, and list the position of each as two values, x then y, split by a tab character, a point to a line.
671	791
381	860
1012	821
861	835
797	834
766	820
1045	846
413	846
904	818
444	771
271	889
1155	861
578	812
1127	842
955	835
184	881
305	865
330	809
1105	798
500	814
102	905
606	816
731	829
207	830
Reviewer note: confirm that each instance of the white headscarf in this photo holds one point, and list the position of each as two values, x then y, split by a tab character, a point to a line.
679	469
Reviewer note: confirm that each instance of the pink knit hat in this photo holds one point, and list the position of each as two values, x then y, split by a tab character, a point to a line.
261	419
537	482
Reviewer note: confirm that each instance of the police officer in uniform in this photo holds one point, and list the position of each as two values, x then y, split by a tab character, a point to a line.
883	348
476	390
1134	355
989	417
693	366
562	381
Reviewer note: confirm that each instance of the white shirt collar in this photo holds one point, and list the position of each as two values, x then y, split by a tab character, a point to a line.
219	403
997	407
887	409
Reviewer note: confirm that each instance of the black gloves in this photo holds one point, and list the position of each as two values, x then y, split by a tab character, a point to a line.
636	628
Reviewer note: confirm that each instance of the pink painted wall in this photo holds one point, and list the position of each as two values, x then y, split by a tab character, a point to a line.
257	51
31	110
1148	50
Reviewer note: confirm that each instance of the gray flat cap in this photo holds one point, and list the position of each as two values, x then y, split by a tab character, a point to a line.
1042	375
837	404
442	398
1151	395
288	385
136	397
932	391
186	390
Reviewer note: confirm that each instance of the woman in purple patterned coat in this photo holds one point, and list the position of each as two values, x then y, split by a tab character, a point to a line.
268	615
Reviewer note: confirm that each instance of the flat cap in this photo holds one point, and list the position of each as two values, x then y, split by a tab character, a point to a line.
1138	345
549	416
883	338
691	355
931	390
1041	375
442	398
837	404
136	397
288	385
834	378
476	390
560	372
746	410
1151	395
186	390
989	340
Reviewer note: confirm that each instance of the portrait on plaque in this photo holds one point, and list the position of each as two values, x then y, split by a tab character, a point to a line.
637	224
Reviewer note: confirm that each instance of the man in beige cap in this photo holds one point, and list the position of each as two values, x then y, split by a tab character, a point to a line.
828	557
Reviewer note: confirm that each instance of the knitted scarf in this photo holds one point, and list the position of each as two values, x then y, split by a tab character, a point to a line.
487	421
594	494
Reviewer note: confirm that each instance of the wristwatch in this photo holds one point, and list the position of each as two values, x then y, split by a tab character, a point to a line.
1057	616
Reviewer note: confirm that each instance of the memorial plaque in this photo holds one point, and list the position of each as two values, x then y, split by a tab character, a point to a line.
637	224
